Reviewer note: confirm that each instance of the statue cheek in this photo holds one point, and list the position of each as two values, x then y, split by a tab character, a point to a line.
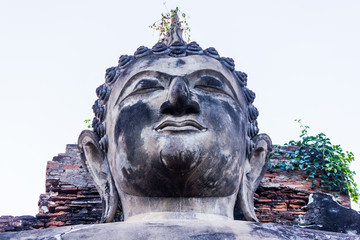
222	115
234	113
132	120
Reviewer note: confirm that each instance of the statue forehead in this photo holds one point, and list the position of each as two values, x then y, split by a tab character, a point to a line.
176	65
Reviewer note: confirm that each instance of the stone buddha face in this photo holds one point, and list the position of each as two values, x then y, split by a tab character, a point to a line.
176	128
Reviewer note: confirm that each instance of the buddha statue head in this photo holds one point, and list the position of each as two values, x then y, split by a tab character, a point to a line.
175	135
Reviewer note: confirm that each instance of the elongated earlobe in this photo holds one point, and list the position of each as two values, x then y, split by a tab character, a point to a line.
254	170
96	163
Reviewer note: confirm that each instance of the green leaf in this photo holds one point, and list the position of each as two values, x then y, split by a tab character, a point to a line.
319	157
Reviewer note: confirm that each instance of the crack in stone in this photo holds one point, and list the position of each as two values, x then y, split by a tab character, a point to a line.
62	234
72	229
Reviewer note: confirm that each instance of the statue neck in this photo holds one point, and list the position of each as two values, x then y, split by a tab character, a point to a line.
161	208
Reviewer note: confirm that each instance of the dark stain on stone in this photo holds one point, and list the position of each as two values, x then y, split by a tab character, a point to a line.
130	122
323	213
180	62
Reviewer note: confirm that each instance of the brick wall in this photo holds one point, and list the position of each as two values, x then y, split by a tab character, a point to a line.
282	195
71	197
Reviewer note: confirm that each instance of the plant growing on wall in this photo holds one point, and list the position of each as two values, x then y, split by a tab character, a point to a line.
88	123
321	159
165	25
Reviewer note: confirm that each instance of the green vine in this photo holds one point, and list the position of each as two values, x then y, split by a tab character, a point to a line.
321	159
88	123
164	25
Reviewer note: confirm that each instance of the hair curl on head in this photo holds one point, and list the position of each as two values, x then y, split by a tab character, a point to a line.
176	49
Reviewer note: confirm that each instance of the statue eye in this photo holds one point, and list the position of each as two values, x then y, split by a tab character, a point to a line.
146	85
211	84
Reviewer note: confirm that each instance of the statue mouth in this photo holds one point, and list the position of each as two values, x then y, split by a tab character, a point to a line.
180	126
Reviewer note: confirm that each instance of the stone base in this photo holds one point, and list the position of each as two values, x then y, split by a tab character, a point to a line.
178	229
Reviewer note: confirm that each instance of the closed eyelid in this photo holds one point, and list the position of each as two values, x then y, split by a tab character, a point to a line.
210	81
147	83
145	86
219	77
213	84
154	76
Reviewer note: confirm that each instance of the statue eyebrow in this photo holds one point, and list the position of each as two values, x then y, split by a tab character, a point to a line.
161	76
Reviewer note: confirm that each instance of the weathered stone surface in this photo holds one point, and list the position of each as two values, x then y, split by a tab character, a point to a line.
180	229
324	213
175	132
20	223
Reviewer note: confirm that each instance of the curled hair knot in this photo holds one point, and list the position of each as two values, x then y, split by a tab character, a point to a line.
104	142
160	48
178	49
111	75
99	110
253	130
211	52
249	95
141	52
103	92
125	60
253	113
228	62
193	48
101	130
241	77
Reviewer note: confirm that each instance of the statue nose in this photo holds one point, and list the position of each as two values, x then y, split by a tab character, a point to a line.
179	101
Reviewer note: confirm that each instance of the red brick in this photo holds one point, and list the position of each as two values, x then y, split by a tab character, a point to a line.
294	206
297	213
281	204
298	201
304	187
51	166
264	200
54	224
269	175
52	208
62	208
50	215
263	205
59	198
298	196
72	166
264	209
279	209
50	162
266	220
292	183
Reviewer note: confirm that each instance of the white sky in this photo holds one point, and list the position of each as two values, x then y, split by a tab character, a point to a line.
302	59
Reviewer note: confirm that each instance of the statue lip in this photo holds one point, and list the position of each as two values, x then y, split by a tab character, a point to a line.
180	126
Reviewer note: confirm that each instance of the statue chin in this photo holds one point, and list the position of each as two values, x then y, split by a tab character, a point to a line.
181	154
180	161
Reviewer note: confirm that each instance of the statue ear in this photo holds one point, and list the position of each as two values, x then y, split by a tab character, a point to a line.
96	163
254	170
